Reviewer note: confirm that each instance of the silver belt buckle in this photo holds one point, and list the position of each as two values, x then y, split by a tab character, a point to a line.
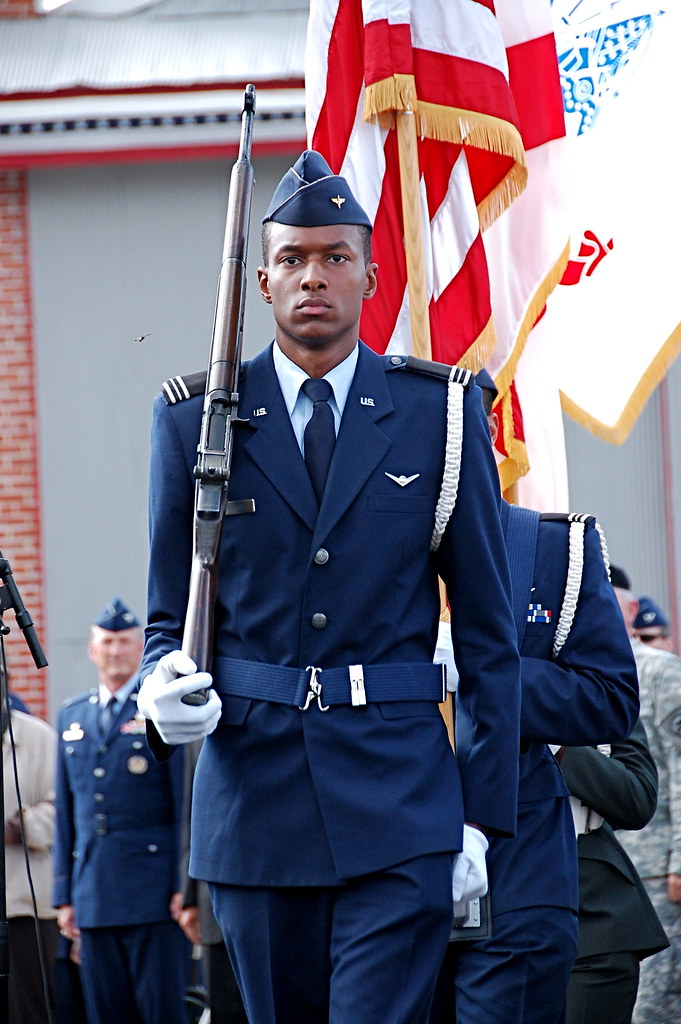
315	689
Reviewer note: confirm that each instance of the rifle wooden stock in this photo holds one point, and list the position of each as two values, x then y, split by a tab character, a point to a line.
220	411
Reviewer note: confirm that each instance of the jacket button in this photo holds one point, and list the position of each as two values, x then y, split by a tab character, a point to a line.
99	797
322	557
318	620
152	848
99	773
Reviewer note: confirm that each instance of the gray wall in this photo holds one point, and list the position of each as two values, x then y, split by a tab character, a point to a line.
623	487
118	251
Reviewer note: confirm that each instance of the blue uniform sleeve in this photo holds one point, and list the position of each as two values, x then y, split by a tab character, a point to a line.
589	693
171	510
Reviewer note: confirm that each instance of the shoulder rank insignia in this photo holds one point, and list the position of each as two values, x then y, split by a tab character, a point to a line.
177	389
441	371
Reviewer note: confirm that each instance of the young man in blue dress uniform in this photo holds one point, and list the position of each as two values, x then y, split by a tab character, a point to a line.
329	809
117	843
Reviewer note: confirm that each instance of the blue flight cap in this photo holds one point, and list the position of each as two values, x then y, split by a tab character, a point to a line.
649	615
484	380
116	616
311	195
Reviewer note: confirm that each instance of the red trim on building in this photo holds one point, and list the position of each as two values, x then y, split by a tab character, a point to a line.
20	161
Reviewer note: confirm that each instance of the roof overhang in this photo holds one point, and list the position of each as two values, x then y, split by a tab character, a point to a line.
93	90
147	125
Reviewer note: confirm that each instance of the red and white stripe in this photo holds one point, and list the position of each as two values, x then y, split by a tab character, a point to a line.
527	246
452	59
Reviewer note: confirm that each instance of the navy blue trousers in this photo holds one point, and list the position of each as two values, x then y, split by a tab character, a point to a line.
135	974
368	950
517	976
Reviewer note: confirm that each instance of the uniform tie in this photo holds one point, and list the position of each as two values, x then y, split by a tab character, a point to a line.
106	714
320	433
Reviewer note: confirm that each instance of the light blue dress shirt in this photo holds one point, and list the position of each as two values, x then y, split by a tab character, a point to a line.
299	406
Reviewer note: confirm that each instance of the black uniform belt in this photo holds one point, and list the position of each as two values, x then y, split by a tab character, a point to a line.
352	684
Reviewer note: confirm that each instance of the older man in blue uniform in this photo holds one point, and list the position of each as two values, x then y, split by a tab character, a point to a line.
118	841
579	686
328	805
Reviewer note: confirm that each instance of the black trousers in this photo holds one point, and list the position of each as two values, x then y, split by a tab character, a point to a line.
26	989
603	988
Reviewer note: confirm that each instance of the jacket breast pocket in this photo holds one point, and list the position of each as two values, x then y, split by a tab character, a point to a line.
407	504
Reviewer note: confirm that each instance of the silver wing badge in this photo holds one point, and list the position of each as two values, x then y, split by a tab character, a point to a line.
403	480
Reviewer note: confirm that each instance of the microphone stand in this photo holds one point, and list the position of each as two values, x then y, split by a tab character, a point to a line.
10	598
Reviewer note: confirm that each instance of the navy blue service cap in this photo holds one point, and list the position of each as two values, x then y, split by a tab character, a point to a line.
649	615
311	195
116	616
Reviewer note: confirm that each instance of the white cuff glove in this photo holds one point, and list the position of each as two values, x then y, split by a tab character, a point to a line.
160	694
470	868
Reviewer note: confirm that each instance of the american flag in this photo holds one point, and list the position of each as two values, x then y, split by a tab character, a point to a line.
528	245
440	69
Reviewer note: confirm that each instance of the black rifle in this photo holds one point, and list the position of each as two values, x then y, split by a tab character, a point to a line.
220	411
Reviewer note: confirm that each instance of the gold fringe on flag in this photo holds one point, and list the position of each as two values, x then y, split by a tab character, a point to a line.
619	431
482	131
453	124
475	357
382	99
533	309
517	462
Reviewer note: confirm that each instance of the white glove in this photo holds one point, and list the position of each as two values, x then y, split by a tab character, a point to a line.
470	868
159	699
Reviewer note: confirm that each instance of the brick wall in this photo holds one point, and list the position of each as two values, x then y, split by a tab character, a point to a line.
17	9
20	522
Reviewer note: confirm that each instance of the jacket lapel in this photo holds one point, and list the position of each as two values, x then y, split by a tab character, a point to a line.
272	445
360	446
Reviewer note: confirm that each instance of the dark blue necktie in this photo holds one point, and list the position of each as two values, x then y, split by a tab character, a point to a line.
320	433
106	714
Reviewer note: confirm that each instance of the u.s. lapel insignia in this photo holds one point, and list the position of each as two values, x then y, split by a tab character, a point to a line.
367	401
403	480
262	411
535	613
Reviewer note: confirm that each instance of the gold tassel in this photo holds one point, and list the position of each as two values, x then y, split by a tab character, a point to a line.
382	99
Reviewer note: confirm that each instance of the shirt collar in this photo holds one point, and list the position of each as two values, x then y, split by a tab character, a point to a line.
121	694
291	377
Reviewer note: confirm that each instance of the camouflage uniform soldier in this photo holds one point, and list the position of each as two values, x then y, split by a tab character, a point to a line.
656	849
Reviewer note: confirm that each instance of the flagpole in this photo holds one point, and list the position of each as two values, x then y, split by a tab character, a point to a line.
407	143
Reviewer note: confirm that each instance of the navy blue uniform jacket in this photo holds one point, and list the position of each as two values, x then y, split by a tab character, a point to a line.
588	694
118	821
284	797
